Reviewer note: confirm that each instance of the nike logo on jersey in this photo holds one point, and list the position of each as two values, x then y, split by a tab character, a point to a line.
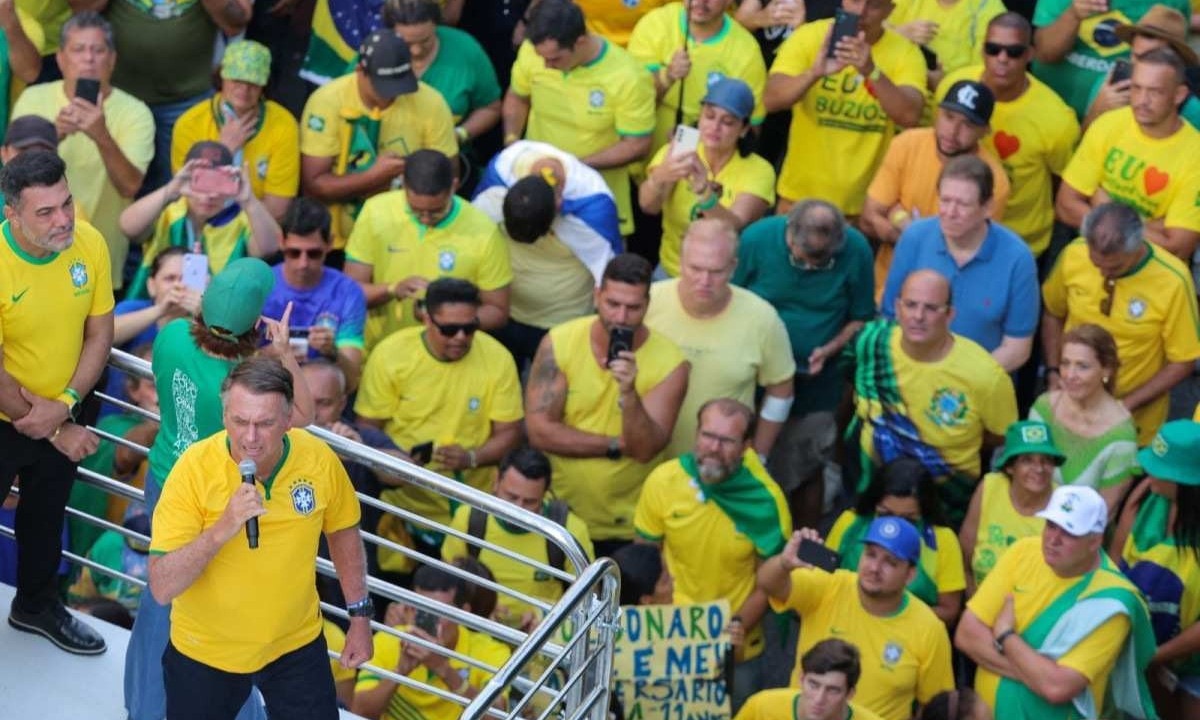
16	298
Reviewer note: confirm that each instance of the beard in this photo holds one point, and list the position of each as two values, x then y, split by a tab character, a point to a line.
713	471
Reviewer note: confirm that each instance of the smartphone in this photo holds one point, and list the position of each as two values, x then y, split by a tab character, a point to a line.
931	59
819	556
298	340
427	621
845	24
1121	70
88	89
195	271
422	454
214	181
620	339
687	139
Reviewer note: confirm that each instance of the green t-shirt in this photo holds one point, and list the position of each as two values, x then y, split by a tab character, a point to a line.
462	73
1096	46
813	304
164	48
89	498
188	381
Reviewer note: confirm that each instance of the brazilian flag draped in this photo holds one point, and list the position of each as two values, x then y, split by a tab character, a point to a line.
338	29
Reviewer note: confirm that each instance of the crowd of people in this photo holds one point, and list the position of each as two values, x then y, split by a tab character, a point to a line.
714	284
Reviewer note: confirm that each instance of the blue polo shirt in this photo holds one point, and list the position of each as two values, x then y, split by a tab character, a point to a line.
995	294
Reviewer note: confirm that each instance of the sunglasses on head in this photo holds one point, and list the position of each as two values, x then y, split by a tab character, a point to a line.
1110	291
451	329
1013	51
311	253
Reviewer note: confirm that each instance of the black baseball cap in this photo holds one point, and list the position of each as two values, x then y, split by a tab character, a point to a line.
29	131
387	61
972	99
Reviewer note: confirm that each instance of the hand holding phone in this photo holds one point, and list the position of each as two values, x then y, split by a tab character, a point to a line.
88	89
687	139
845	24
422	454
817	555
1121	70
215	181
620	339
427	621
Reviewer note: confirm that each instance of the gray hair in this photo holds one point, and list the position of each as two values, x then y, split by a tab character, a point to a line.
801	224
86	20
326	365
260	375
1112	228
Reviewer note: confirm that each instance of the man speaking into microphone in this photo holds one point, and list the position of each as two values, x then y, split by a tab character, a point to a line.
245	610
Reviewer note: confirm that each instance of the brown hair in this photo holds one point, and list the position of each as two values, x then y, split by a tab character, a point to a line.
235	348
1102	344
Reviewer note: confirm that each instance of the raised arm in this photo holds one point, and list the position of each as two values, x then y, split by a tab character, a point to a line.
647	423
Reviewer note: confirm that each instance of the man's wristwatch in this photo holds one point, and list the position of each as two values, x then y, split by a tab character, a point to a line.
362	608
999	641
614	449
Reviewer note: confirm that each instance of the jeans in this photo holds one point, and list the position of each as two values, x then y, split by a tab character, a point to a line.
165	115
145	692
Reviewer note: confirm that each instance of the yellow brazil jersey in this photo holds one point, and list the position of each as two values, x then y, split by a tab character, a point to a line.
962	27
47	17
741	175
411	704
1024	574
44	303
709	558
421	398
224	238
941	566
615	19
839	130
465	244
905	656
588	109
731	354
951	401
221	619
554	287
1156	176
337	124
782	704
508	572
1152	316
731	52
1034	137
601	491
1000	525
272	154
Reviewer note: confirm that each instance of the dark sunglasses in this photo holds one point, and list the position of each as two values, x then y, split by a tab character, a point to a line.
451	329
1013	51
1110	289
311	253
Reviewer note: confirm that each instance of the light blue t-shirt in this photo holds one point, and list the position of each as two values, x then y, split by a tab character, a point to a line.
995	294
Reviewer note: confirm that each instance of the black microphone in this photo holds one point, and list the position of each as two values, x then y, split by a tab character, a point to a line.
247	468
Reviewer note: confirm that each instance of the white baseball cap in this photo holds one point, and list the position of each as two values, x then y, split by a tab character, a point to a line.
1078	509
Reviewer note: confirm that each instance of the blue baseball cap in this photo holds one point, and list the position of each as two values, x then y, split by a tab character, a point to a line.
896	535
732	95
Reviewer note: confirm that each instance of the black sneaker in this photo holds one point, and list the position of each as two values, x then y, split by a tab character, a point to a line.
60	627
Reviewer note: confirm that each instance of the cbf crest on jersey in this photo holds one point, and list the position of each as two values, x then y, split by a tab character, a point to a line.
304	498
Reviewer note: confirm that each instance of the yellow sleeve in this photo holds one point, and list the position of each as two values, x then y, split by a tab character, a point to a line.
508	405
34	31
645	42
387	656
363	244
1000	406
750	708
1181	333
343	510
1054	289
1184	210
758	180
495	266
452	547
833	540
935	675
377	393
439	126
1062	135
179	516
283	174
526	64
102	298
809	587
187	133
798	53
1196	415
634	114
885	186
756	77
648	516
989	596
778	362
910	67
491	653
319	123
951	576
1095	655
1086	169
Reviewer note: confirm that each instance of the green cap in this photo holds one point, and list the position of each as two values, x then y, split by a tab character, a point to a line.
234	299
1174	453
1028	437
247	61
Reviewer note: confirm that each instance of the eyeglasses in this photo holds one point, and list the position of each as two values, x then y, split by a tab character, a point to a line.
310	253
451	329
1013	51
1110	289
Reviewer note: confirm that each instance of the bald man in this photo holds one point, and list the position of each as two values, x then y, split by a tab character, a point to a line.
734	340
922	391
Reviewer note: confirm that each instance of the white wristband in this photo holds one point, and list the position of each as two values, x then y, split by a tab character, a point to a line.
776	409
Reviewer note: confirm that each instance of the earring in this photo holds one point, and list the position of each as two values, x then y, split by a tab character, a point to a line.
1105	380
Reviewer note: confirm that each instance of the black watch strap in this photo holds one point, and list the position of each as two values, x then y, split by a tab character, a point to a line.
362	608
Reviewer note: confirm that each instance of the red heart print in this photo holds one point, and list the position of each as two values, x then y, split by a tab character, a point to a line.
1155	180
1006	144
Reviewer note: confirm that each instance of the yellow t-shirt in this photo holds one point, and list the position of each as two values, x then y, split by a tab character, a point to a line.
221	619
409	703
905	656
41	332
508	572
1153	318
1157	177
421	398
1000	525
952	401
132	127
780	704
49	16
962	27
732	52
412	122
615	19
741	175
588	109
554	285
909	175
943	565
839	130
272	154
466	244
1034	137
601	491
709	558
732	353
1024	574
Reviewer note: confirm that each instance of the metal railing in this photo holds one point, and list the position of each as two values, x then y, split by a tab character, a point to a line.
561	669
